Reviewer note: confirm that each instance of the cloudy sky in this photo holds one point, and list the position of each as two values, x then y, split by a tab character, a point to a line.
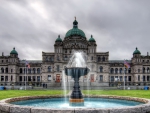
32	26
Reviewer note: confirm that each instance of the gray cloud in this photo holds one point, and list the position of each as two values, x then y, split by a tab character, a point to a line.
33	26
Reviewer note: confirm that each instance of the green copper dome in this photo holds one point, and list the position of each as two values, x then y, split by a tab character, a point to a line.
75	30
14	51
58	39
91	39
136	51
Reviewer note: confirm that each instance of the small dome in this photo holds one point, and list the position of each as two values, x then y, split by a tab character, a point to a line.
136	51
14	51
75	30
91	39
58	39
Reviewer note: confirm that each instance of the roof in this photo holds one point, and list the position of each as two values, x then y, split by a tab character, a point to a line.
58	39
75	30
136	51
91	39
14	51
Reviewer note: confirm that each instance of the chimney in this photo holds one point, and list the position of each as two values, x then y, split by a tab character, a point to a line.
147	54
2	54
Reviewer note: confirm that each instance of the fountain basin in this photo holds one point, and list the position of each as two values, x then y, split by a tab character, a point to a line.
7	105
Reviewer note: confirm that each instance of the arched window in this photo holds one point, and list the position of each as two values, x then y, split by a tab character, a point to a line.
58	58
29	71
129	70
125	70
148	70
49	69
2	70
33	70
38	70
46	58
6	70
20	70
112	71
120	70
116	70
143	70
101	69
138	70
103	58
98	59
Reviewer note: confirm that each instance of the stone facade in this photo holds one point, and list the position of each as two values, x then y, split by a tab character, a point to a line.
48	71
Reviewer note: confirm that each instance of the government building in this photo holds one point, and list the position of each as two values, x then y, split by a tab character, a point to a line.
48	71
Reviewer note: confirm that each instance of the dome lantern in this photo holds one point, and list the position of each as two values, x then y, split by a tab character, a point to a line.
91	39
136	51
58	39
14	51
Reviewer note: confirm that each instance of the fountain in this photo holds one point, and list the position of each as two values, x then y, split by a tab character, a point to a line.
76	68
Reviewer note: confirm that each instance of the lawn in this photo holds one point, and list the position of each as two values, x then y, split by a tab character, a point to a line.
17	93
132	93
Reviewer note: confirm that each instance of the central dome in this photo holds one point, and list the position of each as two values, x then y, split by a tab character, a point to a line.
75	30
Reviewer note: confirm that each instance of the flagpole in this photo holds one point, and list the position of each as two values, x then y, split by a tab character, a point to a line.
124	75
25	76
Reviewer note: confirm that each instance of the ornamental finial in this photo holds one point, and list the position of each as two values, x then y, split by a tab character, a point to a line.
75	17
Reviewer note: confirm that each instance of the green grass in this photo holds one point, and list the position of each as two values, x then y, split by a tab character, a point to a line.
17	93
132	93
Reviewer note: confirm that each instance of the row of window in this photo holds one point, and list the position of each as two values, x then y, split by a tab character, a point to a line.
117	70
29	71
5	70
119	78
5	78
30	78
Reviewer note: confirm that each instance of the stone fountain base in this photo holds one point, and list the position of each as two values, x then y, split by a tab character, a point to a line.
76	102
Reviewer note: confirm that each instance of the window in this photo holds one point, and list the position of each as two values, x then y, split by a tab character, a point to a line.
2	78
103	59
138	77
112	71
138	70
49	78
6	78
20	70
120	71
49	69
116	78
33	70
11	70
33	78
129	78
116	70
129	70
125	78
92	58
101	77
38	70
98	59
120	77
148	70
65	51
101	69
20	78
143	70
112	78
6	70
29	71
11	78
38	78
148	78
58	68
29	78
143	78
58	58
2	70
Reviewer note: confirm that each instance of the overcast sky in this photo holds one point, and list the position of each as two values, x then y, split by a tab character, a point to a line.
32	26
